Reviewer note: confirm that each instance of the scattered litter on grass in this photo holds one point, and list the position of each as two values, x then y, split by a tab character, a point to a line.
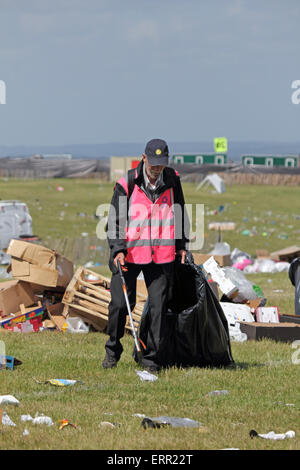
174	422
76	325
26	418
139	415
145	375
284	404
231	448
42	419
8	400
25	432
273	436
60	382
64	423
108	425
9	362
149	423
217	392
6	421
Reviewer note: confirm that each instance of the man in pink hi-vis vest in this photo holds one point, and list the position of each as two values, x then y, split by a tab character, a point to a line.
147	228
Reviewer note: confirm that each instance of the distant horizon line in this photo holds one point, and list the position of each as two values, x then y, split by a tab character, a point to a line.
142	142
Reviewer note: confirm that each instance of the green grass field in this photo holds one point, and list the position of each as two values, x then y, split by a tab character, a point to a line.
263	387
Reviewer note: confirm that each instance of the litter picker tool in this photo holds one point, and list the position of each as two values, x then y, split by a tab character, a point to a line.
137	344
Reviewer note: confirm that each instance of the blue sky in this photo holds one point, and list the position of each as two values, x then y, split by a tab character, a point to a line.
96	71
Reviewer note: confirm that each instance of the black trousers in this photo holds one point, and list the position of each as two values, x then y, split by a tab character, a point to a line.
159	281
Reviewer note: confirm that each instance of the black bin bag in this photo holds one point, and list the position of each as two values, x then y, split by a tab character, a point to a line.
197	329
294	275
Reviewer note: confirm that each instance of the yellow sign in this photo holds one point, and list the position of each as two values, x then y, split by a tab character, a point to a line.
220	144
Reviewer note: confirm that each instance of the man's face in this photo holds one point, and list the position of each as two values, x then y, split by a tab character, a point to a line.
153	171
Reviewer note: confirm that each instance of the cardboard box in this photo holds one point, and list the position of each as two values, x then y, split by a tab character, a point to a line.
37	264
285	318
222	260
267	315
214	287
222	226
261	254
13	294
287	254
237	312
31	313
55	313
218	276
284	332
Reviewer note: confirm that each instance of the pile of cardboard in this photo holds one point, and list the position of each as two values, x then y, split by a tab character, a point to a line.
45	292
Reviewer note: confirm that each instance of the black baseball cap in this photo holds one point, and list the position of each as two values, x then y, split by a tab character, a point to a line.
157	152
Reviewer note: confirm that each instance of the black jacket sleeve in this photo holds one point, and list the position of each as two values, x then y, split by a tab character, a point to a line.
116	223
182	223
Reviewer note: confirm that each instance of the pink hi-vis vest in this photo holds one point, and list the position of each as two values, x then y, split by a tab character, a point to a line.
150	231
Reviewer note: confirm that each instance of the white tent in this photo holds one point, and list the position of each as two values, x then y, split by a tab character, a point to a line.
212	180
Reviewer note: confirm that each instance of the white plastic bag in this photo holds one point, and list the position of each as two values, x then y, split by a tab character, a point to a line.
42	419
76	325
245	289
8	400
145	375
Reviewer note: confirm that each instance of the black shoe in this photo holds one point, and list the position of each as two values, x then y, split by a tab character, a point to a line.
109	362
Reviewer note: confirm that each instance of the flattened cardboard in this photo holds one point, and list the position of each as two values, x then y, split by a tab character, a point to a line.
287	254
55	313
267	315
285	318
13	294
284	332
218	276
254	303
222	226
214	287
39	265
222	260
261	253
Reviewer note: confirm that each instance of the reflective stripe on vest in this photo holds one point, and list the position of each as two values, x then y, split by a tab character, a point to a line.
150	234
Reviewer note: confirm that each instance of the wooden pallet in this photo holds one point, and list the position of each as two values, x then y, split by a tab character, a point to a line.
90	299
